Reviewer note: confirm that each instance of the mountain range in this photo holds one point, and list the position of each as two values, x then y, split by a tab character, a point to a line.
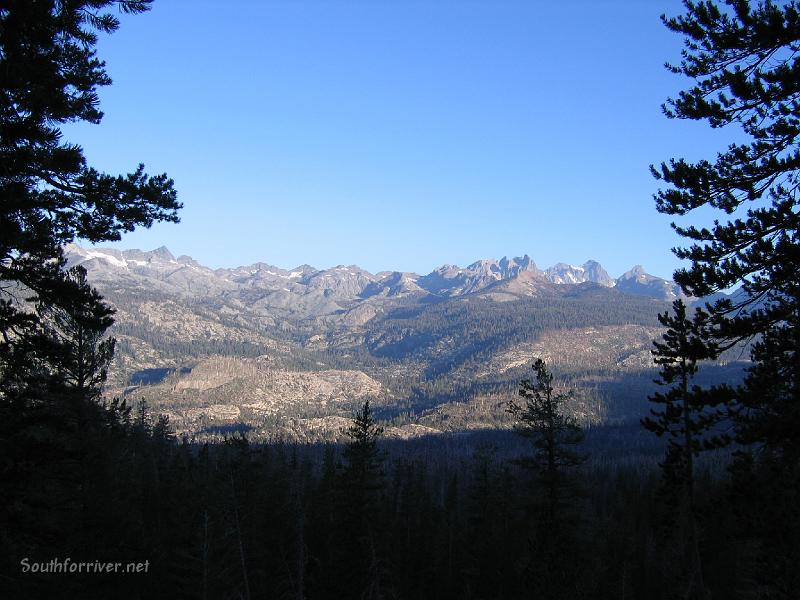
288	351
352	282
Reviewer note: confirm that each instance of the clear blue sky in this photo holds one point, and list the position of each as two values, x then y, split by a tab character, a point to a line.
400	135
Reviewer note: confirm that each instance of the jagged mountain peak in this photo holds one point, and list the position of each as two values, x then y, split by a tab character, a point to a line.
503	268
451	280
636	272
163	253
184	259
638	282
523	261
518	264
591	271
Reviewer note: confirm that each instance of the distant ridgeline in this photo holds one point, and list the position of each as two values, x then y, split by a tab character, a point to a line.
289	353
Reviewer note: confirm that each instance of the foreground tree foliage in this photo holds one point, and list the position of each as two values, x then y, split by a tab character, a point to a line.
553	432
690	417
743	59
48	194
55	437
359	488
747	74
76	330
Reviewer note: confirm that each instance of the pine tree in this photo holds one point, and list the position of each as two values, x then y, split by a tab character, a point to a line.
76	329
364	458
553	434
743	60
53	358
746	74
688	417
362	480
49	196
552	431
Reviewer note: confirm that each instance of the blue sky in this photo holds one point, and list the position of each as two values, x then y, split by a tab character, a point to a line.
400	135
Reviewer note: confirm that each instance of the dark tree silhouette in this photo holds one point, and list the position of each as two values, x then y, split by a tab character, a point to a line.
75	330
687	415
743	59
48	194
362	479
553	433
746	74
364	458
55	439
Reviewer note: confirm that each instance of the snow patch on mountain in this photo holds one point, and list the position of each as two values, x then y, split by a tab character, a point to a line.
108	258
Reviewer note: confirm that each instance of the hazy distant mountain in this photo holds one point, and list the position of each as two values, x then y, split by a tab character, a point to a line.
637	282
